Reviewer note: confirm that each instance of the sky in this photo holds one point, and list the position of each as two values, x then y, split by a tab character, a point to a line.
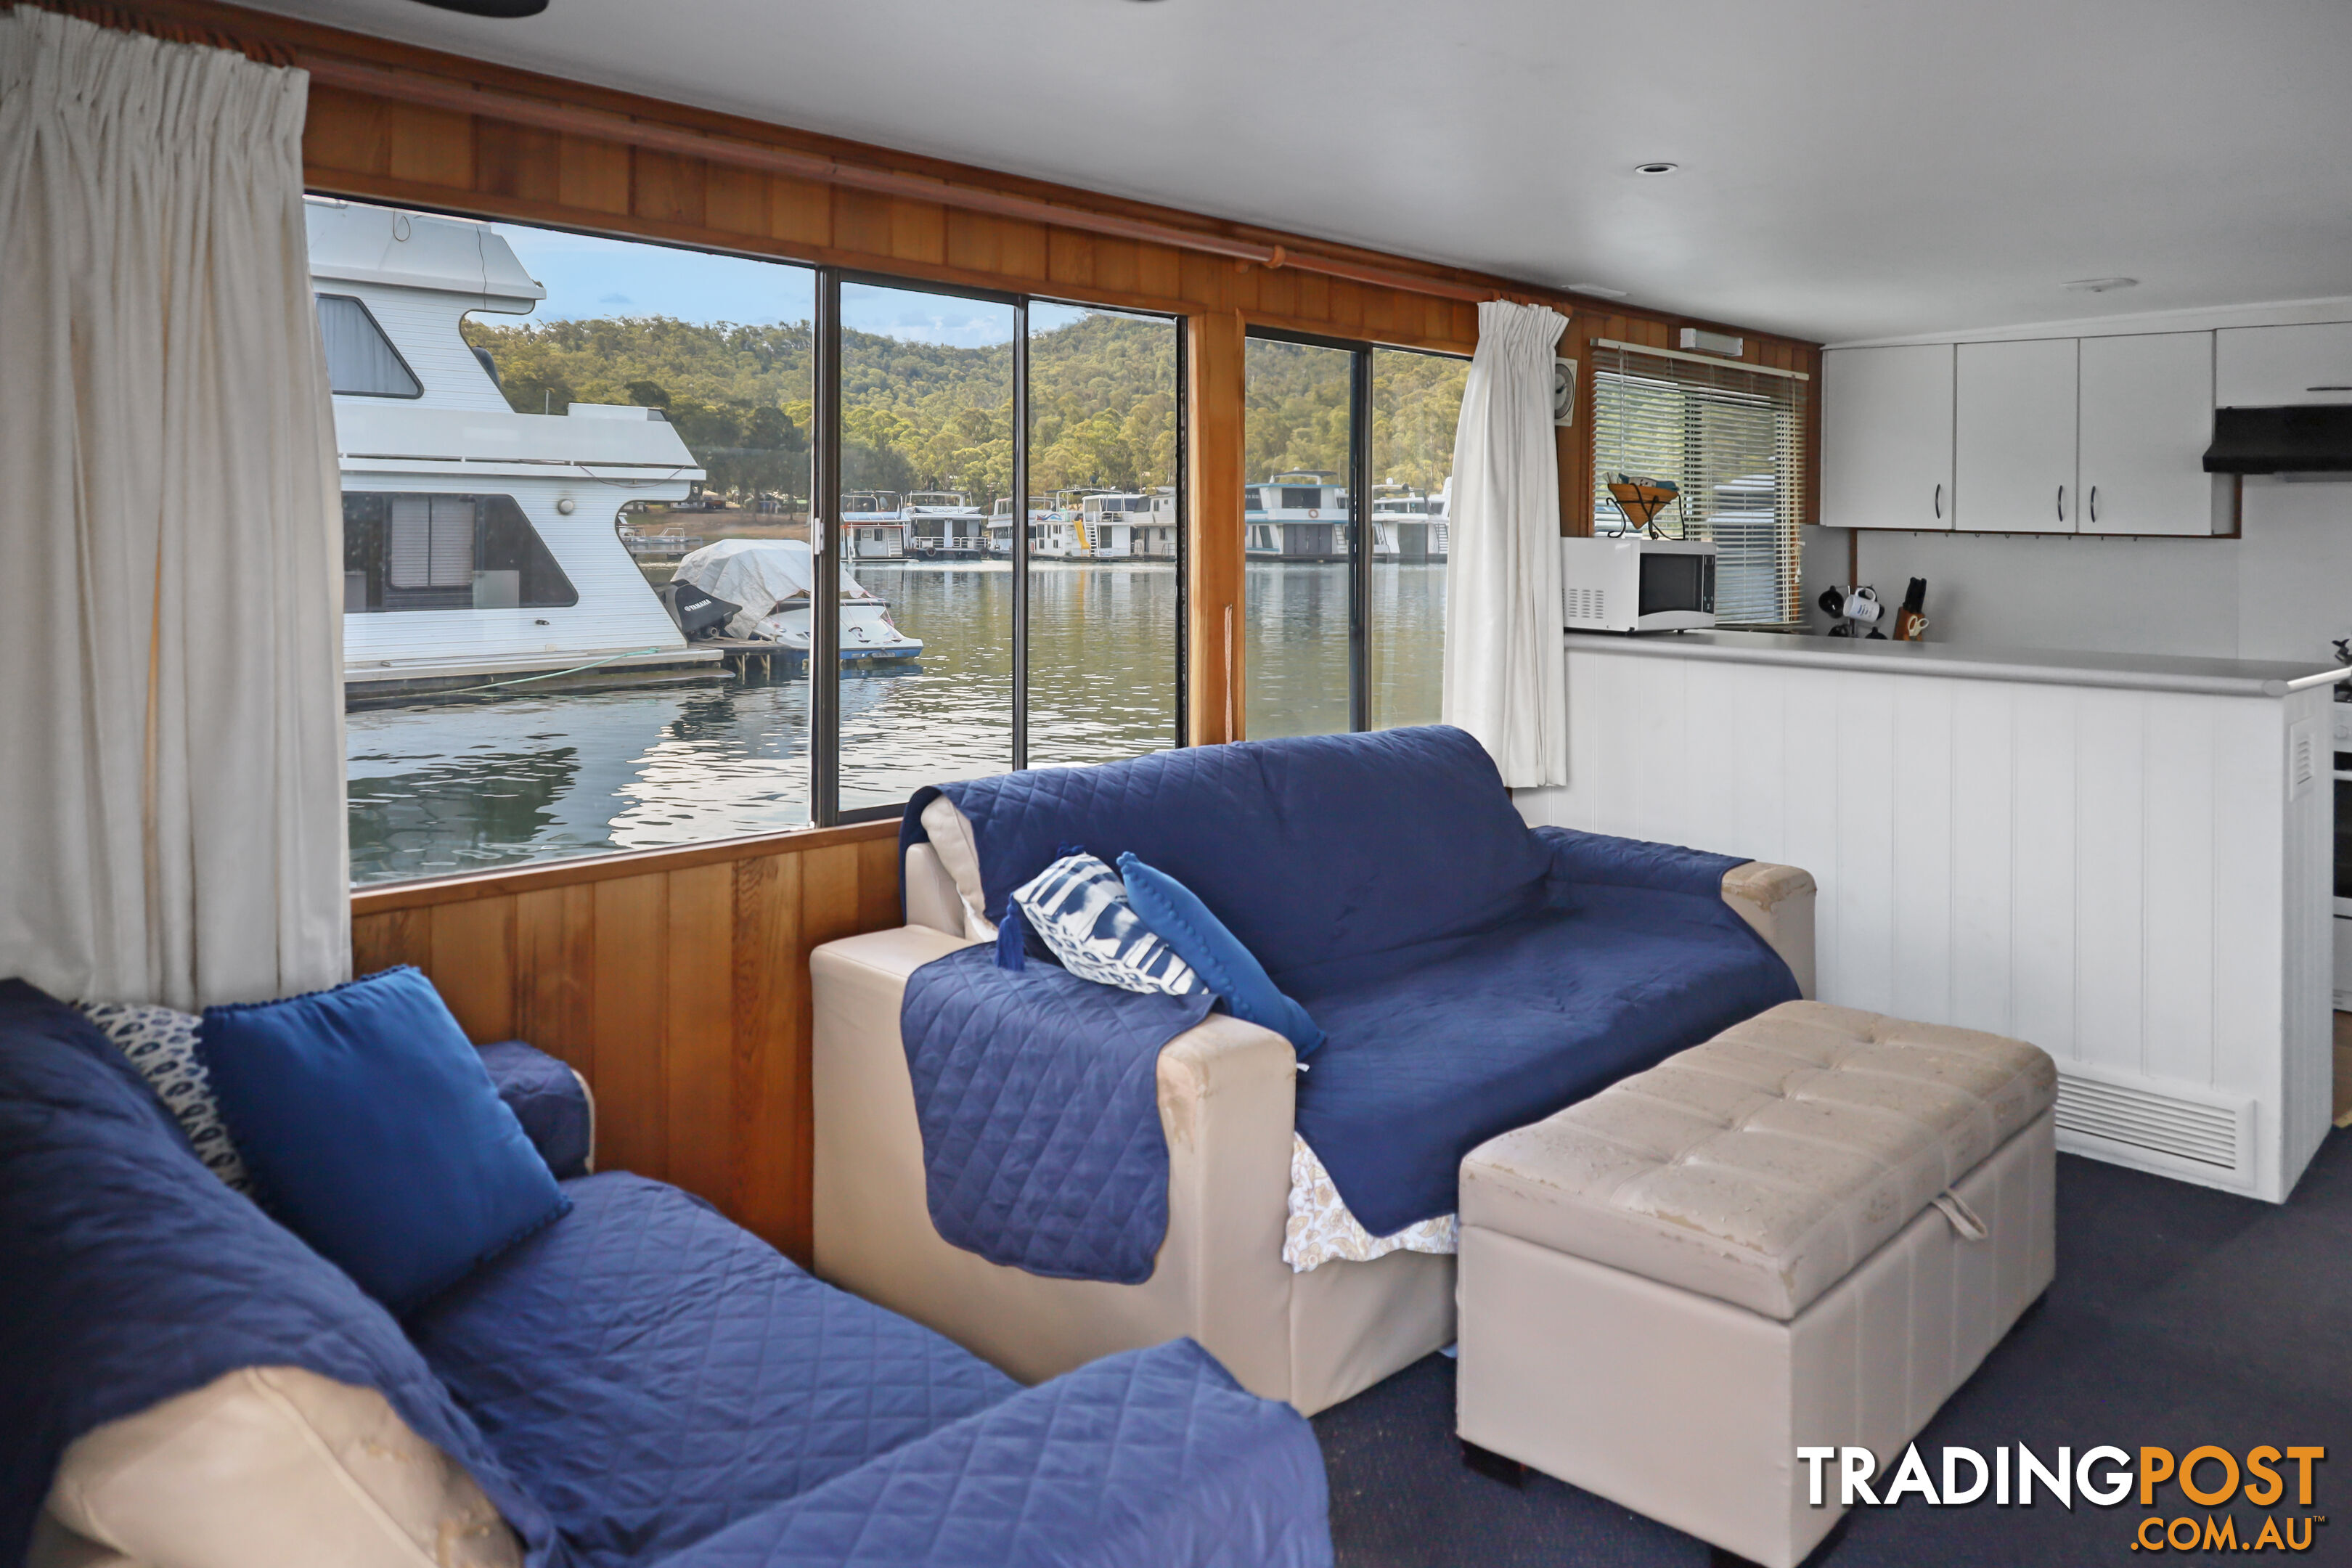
585	276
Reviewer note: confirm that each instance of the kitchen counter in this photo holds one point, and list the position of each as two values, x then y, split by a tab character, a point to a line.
2049	666
2122	858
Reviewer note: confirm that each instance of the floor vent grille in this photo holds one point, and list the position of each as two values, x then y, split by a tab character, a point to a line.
2203	1132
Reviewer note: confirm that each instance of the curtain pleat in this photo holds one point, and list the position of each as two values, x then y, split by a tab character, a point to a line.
171	815
1505	671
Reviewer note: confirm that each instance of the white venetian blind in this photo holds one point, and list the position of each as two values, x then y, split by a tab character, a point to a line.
1730	438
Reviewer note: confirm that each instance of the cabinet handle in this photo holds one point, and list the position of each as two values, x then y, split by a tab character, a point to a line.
2062	504
2094	503
1939	501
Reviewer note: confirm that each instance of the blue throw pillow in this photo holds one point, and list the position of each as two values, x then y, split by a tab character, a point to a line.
1200	940
370	1124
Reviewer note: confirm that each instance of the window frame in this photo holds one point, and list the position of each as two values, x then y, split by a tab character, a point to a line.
824	473
1361	717
1794	473
825	624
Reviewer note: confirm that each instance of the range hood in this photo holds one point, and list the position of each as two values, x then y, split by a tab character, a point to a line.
2305	439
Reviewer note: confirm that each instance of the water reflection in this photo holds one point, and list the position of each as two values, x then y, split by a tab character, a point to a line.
444	787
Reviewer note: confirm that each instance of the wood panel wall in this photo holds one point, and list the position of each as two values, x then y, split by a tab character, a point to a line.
674	981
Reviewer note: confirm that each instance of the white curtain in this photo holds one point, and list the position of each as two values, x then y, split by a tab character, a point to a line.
1506	671
171	712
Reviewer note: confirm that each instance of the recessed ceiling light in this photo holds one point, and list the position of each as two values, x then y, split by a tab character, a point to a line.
1657	168
2099	285
1597	290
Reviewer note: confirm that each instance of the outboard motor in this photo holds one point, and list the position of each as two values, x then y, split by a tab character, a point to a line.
698	615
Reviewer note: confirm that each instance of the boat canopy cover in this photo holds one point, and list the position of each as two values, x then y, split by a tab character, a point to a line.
757	573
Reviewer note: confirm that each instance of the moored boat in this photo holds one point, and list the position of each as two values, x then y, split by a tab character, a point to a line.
767	582
480	545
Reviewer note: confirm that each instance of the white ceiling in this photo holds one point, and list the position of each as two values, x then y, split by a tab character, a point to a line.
1849	169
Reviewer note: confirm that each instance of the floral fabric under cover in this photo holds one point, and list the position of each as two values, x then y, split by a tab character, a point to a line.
1320	1228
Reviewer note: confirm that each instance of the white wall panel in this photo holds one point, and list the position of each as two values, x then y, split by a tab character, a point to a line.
2041	868
2177	1024
1920	968
2116	875
2110	865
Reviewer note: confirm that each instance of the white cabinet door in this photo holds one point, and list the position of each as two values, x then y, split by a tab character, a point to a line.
2263	367
2013	437
1886	437
2147	419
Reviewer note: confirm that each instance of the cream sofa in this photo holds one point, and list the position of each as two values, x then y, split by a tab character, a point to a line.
1226	1093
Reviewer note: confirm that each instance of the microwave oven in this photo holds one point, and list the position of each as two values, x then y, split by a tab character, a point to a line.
1628	583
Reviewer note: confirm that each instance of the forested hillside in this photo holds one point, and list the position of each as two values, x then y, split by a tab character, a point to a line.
926	416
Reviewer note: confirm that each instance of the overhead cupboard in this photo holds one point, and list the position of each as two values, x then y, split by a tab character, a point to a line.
2056	435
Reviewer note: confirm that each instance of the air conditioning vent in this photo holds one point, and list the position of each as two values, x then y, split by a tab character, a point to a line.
2171	1123
2302	759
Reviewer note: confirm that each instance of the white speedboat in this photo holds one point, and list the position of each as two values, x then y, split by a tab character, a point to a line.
480	545
768	582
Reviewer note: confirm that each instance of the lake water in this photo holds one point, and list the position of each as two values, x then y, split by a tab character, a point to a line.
442	787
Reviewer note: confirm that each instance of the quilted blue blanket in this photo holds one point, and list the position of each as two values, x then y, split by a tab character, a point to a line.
1473	974
1154	1458
129	1275
1038	1097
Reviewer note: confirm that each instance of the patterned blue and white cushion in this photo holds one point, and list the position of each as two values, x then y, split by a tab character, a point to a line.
1077	906
162	1044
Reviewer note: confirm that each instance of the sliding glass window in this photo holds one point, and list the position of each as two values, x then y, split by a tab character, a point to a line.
1348	455
926	629
1416	403
570	419
585	616
1105	534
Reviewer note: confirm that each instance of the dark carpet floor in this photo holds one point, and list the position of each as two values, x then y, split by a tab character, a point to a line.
2180	1317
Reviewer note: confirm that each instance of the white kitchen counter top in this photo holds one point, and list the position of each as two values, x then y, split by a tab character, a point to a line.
2049	666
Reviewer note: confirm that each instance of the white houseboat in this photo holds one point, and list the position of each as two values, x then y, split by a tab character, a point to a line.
1295	517
873	526
942	525
1410	524
1127	525
1052	529
479	544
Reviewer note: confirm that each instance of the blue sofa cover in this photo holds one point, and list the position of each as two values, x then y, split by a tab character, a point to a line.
642	1382
1473	974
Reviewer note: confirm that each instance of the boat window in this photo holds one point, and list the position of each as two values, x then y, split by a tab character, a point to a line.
407	551
1104	611
361	361
617	536
926	676
1730	439
1346	578
1416	402
555	707
1300	415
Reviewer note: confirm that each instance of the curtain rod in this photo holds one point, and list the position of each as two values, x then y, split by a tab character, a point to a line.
545	115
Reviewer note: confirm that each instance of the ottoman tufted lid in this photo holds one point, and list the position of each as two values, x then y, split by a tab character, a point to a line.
1762	1166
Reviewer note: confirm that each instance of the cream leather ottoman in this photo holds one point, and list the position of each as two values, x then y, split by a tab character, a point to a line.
1809	1230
